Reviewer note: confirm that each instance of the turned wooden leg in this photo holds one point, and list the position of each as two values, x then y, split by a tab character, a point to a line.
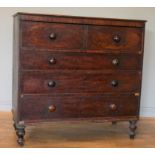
132	127
114	122
20	132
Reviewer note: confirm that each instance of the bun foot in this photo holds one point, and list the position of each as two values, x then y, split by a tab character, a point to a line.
132	127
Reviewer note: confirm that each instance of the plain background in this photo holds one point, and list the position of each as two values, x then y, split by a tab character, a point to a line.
6	42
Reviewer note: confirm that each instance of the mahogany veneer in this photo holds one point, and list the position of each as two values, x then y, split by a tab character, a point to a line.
76	68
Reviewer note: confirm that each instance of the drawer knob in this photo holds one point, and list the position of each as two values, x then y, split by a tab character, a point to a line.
115	61
51	83
116	38
52	61
114	83
113	107
137	94
51	108
52	36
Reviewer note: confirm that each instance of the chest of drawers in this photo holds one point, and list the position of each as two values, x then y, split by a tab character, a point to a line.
75	68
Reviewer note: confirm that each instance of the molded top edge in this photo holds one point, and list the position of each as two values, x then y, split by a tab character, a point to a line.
84	20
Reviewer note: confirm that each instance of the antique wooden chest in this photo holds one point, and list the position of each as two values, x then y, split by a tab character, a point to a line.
76	68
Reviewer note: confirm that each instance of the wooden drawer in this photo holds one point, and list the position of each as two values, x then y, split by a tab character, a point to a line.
78	106
34	60
52	35
115	38
78	81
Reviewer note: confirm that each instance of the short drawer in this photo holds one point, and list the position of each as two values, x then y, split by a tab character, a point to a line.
115	38
52	35
33	60
78	106
39	82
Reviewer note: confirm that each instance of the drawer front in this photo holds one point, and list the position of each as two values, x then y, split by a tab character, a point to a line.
47	60
78	81
78	106
52	35
115	38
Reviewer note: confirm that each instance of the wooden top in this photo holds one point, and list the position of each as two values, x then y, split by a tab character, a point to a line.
80	20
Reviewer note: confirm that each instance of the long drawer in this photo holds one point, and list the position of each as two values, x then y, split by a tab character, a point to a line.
35	60
34	107
74	81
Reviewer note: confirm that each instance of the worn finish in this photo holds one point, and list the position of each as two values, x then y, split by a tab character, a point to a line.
132	127
78	105
35	60
114	38
52	36
80	20
37	82
76	68
20	132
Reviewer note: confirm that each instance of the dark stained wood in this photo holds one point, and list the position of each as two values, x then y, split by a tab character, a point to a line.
102	37
20	132
78	106
78	81
132	127
16	66
76	68
38	35
80	20
35	60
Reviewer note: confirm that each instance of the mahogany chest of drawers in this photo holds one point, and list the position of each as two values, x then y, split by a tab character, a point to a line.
67	67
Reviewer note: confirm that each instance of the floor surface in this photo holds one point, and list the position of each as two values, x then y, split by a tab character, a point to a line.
78	134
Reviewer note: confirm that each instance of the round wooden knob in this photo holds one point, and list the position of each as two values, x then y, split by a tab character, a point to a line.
51	108
52	61
114	83
115	61
116	38
113	107
51	83
52	35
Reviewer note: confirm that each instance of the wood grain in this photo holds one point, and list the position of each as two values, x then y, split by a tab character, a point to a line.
92	57
78	135
37	35
78	81
102	37
79	20
36	60
35	107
